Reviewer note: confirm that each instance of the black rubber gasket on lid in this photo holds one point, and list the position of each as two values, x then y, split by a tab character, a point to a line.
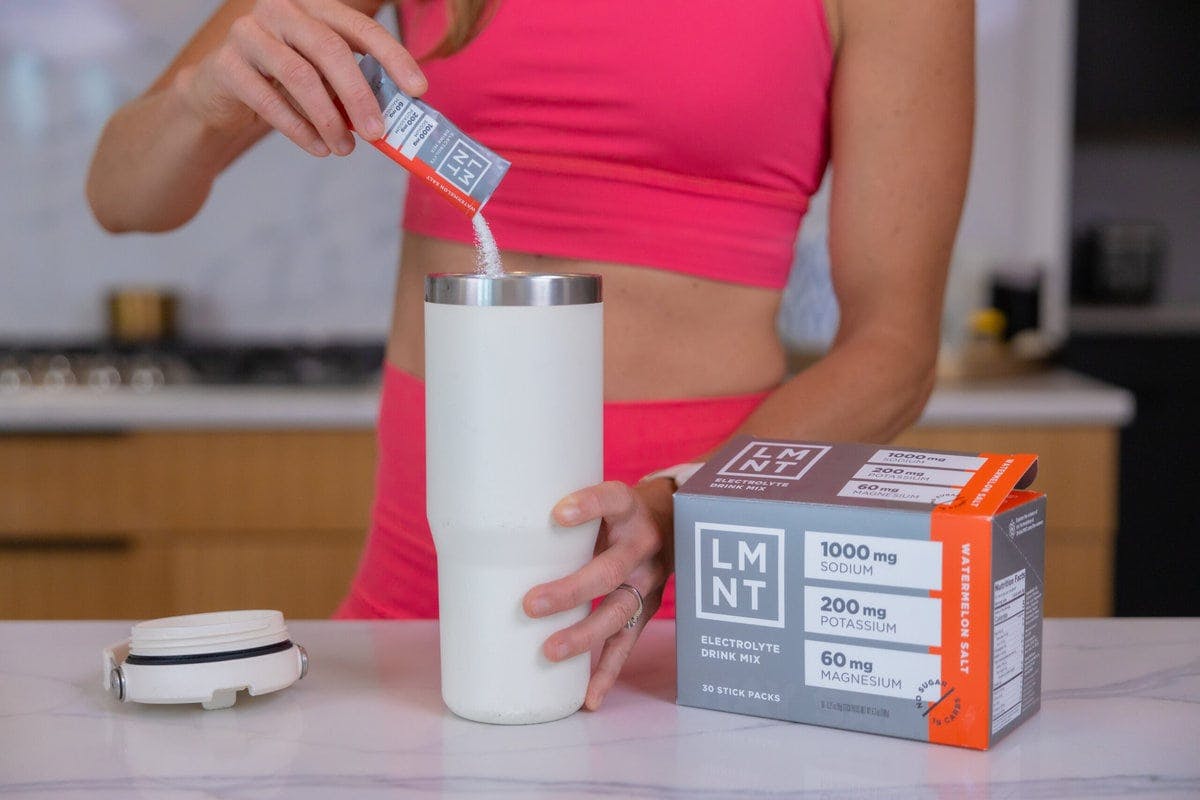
205	658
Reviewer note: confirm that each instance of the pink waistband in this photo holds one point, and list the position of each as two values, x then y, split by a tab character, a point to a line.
640	436
397	576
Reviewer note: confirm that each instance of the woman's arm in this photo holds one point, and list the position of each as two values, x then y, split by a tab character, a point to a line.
903	108
902	118
254	65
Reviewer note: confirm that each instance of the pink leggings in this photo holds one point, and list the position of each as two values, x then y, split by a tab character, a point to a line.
397	575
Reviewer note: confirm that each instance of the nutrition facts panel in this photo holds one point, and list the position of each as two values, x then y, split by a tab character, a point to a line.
1008	648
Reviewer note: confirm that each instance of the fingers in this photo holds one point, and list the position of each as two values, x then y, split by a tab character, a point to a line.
633	553
614	655
332	57
632	539
605	620
251	88
298	78
599	576
368	36
307	48
329	52
612	658
607	624
613	500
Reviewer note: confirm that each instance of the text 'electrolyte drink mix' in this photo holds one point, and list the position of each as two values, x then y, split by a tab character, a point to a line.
431	147
863	587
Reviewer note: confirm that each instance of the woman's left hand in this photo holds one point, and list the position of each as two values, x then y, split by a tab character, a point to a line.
635	546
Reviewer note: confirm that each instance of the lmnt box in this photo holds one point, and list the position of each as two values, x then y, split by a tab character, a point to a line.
863	587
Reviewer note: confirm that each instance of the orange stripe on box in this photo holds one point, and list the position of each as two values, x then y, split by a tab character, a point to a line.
963	717
987	490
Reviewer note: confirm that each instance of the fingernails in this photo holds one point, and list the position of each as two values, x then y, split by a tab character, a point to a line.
415	83
319	149
344	145
540	607
373	129
559	652
568	511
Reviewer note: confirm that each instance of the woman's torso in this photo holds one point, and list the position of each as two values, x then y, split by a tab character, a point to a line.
668	333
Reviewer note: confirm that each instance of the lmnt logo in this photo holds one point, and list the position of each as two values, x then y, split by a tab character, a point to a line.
739	574
464	166
774	460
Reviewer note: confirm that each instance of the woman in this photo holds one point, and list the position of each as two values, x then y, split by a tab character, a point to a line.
670	148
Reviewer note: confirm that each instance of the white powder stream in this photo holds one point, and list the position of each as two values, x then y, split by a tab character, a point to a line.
487	254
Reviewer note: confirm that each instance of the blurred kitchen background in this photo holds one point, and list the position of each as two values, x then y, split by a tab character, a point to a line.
186	419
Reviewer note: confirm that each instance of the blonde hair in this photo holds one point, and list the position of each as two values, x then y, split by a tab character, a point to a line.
464	20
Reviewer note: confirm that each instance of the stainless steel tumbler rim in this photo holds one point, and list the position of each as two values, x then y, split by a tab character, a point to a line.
512	289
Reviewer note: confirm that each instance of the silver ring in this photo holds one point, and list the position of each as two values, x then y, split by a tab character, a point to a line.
637	615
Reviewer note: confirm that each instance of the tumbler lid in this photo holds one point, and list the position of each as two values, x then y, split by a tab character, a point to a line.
512	289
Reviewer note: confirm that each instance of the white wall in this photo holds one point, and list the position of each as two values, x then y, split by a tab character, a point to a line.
1018	200
288	246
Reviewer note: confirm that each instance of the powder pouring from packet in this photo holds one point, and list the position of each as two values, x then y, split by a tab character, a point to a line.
487	252
431	147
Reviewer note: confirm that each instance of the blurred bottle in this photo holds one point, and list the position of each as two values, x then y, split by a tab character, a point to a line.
1016	292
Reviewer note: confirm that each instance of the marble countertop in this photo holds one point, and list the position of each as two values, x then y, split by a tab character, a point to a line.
1120	718
1056	397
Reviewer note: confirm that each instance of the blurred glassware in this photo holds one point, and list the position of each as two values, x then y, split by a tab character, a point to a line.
105	366
14	376
58	373
145	375
101	373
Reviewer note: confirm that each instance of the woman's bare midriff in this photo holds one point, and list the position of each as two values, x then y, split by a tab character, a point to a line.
666	335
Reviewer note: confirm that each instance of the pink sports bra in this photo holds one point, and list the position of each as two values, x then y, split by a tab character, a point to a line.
684	135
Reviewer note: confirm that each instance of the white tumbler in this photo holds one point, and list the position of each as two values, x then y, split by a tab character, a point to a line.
514	422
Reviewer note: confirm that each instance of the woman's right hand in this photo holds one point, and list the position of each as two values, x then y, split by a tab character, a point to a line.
286	62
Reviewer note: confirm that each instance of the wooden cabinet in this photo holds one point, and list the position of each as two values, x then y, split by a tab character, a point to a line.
94	576
147	524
